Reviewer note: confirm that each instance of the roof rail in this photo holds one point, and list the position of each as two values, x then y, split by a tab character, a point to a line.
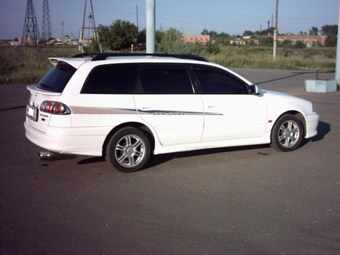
87	54
103	56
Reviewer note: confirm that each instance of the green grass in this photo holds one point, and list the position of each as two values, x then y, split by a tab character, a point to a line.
26	65
322	59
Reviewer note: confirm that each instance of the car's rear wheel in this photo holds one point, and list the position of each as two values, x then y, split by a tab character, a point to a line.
128	149
287	133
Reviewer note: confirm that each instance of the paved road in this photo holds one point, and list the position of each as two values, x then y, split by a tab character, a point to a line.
249	200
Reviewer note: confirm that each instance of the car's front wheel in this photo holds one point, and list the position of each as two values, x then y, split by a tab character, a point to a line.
287	133
128	149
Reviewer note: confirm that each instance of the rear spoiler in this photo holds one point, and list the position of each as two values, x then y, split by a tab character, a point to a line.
74	62
34	88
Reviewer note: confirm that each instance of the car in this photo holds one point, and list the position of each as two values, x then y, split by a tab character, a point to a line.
128	107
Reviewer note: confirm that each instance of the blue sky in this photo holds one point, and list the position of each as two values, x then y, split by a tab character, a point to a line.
187	16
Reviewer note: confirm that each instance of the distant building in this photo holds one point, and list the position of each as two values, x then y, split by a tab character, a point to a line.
63	41
202	39
238	41
309	40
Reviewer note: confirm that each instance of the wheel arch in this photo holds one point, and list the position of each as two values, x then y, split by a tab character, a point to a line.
137	125
298	115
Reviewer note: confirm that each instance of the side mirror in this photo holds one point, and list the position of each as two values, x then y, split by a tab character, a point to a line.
253	89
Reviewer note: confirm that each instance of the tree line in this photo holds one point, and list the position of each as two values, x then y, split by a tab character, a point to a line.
121	35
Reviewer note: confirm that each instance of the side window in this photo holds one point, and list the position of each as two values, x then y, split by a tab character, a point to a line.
111	79
165	79
216	81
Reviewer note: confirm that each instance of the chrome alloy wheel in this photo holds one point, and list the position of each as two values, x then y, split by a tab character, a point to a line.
130	150
289	133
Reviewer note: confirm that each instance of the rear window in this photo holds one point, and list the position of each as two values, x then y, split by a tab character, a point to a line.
57	77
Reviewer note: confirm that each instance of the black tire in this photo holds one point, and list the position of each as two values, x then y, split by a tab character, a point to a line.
287	133
128	149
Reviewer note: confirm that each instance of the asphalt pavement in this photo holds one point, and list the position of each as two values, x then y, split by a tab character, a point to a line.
244	200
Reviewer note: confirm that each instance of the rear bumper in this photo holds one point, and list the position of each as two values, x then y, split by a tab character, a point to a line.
312	122
78	141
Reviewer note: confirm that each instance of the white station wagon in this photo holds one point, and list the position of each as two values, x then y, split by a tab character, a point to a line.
126	107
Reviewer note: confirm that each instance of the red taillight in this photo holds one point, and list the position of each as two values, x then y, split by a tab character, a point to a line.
53	107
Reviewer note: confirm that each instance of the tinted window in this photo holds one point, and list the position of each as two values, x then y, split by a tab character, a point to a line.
165	79
56	79
111	79
216	81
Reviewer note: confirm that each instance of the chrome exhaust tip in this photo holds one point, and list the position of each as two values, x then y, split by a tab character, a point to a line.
44	155
50	156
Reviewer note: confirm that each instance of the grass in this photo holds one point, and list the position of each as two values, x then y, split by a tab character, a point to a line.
26	65
322	59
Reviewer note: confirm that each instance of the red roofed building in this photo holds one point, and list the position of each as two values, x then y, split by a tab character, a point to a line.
202	39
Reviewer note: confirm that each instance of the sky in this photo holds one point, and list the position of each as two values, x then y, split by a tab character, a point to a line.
187	16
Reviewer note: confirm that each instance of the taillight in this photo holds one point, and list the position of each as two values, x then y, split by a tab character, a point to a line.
53	107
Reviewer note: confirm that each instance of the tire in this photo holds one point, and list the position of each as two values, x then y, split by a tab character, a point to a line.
128	150
287	133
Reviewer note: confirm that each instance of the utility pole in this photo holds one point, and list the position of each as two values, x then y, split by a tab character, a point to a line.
337	67
62	33
137	42
276	29
150	25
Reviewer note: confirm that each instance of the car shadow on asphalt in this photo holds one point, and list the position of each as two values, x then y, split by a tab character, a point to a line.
162	158
323	130
294	74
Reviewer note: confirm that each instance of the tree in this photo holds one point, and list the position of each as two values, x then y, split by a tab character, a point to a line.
141	39
171	42
223	39
286	43
119	35
314	31
299	45
213	34
331	41
329	30
248	33
267	41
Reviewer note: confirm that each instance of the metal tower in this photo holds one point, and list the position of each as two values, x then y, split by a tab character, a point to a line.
46	22
30	33
92	26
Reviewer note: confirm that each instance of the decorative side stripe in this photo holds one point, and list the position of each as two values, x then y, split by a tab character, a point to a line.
101	110
104	110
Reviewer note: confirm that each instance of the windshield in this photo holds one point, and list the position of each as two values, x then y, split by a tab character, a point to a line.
57	77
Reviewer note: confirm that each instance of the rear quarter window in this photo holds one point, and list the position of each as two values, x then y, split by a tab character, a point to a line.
57	77
111	79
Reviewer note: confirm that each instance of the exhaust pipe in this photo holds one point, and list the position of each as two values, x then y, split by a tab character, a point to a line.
50	156
45	155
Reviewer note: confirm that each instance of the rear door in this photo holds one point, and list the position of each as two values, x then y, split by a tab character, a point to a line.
167	101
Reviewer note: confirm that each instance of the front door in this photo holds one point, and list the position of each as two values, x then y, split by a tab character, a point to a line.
168	104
